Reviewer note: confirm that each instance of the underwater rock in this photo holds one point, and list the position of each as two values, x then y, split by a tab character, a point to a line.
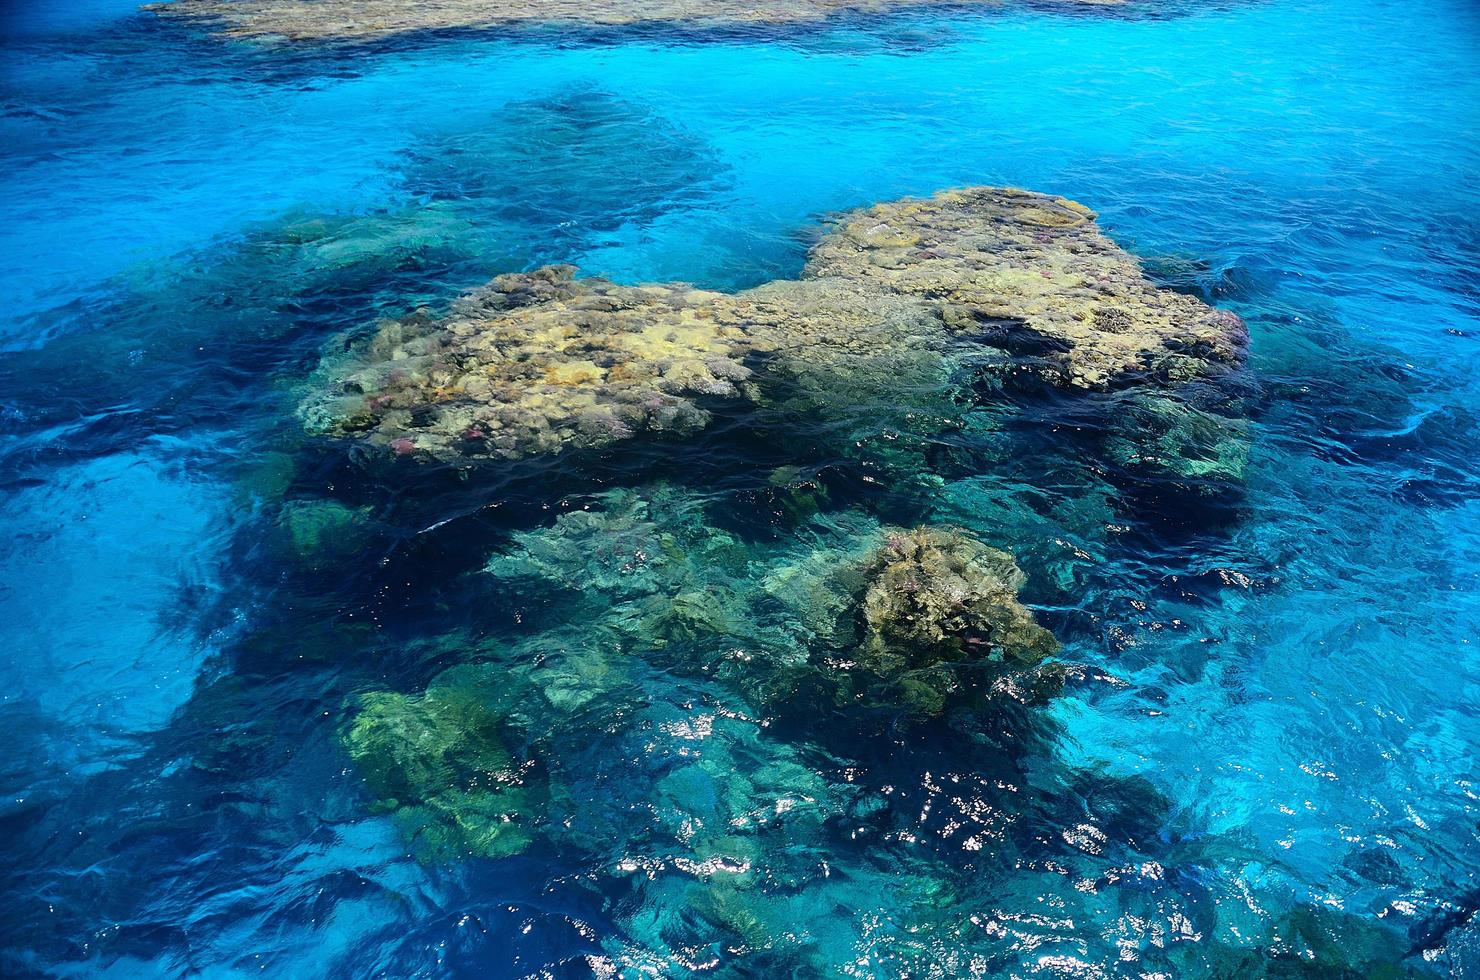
360	20
559	169
1032	275
843	610
437	763
322	534
936	589
633	543
1168	435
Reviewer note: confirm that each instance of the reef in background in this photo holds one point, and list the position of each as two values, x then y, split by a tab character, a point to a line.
359	20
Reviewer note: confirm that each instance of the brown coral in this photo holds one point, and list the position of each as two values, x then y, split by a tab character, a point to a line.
938	595
1034	275
541	361
535	363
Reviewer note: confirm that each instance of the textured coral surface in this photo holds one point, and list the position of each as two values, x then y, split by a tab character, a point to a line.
542	361
1035	275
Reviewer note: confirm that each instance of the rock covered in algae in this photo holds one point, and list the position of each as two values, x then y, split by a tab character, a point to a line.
565	164
934	589
842	609
322	534
535	363
1174	437
1033	275
936	596
438	764
351	20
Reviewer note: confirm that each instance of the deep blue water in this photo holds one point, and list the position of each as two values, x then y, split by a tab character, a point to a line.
1274	713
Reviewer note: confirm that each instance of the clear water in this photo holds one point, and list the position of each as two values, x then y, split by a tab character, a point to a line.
1265	759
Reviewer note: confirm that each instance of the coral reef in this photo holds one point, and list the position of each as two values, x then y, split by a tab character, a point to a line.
1172	436
563	166
845	609
1033	275
936	596
538	362
542	361
358	20
438	764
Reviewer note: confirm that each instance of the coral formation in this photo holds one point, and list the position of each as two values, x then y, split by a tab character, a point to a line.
352	20
845	609
538	362
574	162
438	764
542	361
1177	438
936	596
1033	275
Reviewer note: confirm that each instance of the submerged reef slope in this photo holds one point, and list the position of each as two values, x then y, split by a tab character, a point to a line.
844	612
543	361
351	20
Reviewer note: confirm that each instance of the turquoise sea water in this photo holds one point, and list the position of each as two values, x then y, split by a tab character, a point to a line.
1264	760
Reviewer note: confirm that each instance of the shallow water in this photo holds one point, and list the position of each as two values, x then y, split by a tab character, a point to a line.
1263	760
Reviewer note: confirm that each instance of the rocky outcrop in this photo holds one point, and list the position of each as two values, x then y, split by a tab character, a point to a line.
542	361
1034	276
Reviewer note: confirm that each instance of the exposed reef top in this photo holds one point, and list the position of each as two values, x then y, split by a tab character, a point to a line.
541	361
1035	275
535	362
352	20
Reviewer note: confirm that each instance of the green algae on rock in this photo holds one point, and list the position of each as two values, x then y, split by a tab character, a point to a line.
1169	435
322	534
362	20
844	608
438	764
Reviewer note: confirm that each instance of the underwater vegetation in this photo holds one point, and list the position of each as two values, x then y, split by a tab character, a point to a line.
437	763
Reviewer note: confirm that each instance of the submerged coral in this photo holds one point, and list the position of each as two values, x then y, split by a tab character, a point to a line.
938	592
349	20
845	610
563	166
1171	436
437	762
543	361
